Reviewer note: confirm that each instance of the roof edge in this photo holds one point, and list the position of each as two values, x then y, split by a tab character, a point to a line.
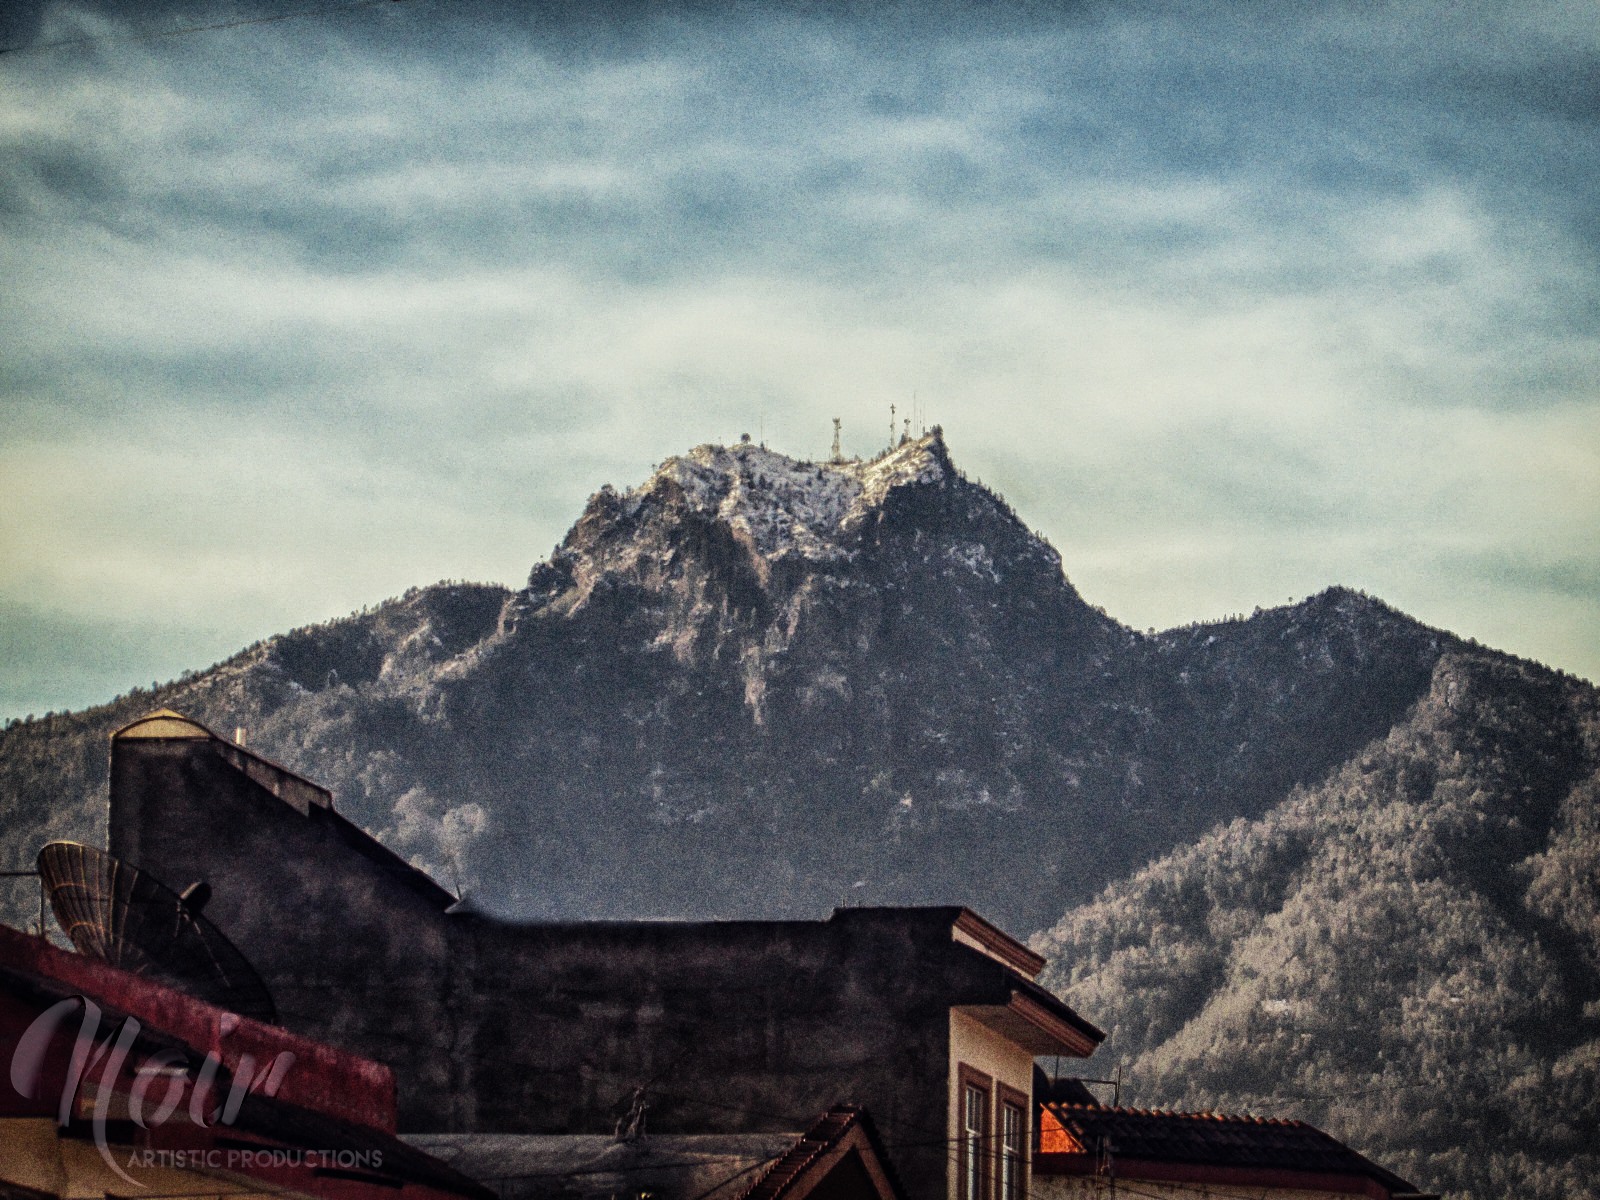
808	1163
1355	1165
325	1078
163	724
1048	1002
1057	1020
971	929
1351	1183
168	725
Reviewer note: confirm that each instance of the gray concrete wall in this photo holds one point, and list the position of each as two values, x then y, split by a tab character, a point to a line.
732	1026
352	953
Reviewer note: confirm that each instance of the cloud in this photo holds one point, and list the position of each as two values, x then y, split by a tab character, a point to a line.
1230	303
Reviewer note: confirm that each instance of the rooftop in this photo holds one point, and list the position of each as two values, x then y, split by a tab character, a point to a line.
1087	1139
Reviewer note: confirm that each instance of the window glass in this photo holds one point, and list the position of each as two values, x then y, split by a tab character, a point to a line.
1012	1131
974	1140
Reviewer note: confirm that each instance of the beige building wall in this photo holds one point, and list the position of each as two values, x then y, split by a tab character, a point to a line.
975	1046
36	1158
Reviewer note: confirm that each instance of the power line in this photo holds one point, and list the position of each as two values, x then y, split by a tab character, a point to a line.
953	1147
1374	1091
787	1121
185	30
613	1170
792	1120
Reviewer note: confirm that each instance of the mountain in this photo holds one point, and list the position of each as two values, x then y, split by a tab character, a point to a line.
760	686
1322	851
1407	951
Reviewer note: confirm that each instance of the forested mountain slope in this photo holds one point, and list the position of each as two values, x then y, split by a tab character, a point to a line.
1407	952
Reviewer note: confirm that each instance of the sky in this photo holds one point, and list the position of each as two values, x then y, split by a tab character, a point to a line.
1231	301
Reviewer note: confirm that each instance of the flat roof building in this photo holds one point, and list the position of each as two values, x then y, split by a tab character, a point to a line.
876	1054
927	1018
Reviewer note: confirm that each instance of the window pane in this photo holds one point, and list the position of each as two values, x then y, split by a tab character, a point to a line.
1011	1135
974	1141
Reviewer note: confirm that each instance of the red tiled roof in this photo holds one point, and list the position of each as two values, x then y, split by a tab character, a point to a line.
825	1141
1097	1135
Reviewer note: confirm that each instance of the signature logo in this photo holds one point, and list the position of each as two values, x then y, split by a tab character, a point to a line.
96	1065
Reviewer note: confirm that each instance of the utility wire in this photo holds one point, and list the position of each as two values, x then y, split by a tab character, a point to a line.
953	1146
1373	1091
787	1121
737	1175
640	1168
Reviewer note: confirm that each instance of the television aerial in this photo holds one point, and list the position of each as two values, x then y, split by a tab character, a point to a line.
121	915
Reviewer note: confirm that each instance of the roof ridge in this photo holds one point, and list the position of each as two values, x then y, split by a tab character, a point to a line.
1206	1115
824	1133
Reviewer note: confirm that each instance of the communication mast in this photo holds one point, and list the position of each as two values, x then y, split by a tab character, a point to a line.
838	454
891	427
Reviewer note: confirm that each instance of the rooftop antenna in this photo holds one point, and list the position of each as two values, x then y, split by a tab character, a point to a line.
838	454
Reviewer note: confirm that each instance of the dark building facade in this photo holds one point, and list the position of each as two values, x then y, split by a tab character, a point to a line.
928	1019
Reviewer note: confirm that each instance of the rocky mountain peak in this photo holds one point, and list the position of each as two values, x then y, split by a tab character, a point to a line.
782	507
745	530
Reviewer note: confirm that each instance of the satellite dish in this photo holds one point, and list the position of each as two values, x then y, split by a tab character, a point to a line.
123	916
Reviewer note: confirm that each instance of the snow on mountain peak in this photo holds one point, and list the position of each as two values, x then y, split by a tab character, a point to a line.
790	507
